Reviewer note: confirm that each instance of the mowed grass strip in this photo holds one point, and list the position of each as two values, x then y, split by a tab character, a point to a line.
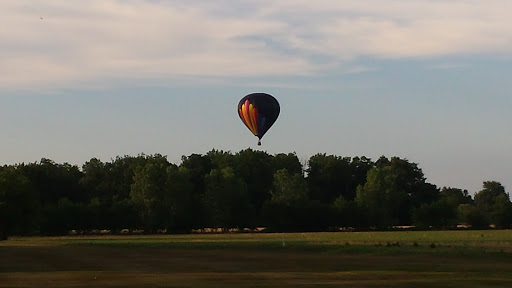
260	260
489	240
456	238
100	266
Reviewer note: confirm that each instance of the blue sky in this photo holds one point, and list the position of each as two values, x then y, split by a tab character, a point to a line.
419	79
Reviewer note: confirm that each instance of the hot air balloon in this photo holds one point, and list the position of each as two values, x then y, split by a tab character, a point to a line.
258	111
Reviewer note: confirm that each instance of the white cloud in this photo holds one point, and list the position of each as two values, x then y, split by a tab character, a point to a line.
90	40
359	69
447	65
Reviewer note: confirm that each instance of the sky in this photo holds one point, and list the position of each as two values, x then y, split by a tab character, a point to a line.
424	80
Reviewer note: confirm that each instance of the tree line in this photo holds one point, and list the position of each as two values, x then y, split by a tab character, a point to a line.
247	189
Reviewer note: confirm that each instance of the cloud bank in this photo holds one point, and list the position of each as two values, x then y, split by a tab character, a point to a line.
89	40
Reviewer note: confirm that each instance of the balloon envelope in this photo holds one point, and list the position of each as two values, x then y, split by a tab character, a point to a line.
258	111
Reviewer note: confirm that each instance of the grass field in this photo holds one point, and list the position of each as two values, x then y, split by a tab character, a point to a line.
349	259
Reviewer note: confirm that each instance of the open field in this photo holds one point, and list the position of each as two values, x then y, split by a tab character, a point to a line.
350	259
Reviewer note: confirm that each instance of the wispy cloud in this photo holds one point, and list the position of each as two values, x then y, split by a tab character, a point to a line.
448	65
359	69
89	40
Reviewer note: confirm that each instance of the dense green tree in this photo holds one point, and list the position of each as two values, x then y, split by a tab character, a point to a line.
109	184
54	181
148	193
484	199
120	175
423	193
378	198
198	166
19	203
455	196
359	167
221	159
255	169
123	214
494	202
441	213
438	214
471	215
95	180
226	200
94	212
287	207
289	189
245	189
289	161
95	183
382	161
185	205
347	213
64	215
501	214
329	177
386	196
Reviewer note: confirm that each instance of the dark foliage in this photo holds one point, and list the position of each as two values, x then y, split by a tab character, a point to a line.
246	189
